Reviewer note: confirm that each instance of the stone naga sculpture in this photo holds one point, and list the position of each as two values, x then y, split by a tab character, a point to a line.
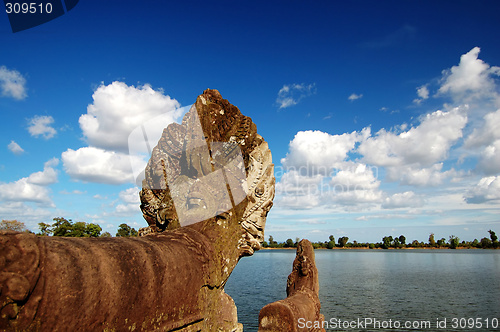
173	278
300	311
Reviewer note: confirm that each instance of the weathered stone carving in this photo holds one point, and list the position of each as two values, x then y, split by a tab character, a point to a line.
190	152
302	300
172	279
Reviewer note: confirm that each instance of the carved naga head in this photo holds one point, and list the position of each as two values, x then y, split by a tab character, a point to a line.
213	166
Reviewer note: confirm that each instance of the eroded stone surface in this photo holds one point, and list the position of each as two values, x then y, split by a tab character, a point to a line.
302	300
178	189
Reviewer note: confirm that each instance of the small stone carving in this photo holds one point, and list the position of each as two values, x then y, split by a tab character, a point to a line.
302	302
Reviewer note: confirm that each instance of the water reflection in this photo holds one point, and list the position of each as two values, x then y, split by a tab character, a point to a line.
383	284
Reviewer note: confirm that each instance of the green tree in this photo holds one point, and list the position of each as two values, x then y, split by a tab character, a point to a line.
343	241
61	227
454	241
432	242
486	243
105	234
272	243
93	230
289	243
402	239
13	225
395	241
78	229
125	230
494	238
386	242
441	242
45	229
330	244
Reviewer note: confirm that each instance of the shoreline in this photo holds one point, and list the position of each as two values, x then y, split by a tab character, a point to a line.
363	248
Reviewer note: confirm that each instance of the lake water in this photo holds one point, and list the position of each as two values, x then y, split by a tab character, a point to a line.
409	286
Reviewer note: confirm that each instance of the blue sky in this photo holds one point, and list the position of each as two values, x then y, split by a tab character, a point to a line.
382	116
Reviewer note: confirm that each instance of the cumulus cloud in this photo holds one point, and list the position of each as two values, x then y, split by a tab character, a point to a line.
403	200
423	145
489	161
118	109
130	201
12	83
354	96
130	195
423	94
290	95
92	164
487	133
46	177
472	77
486	190
419	176
355	185
25	212
485	138
41	126
317	151
358	177
32	188
15	148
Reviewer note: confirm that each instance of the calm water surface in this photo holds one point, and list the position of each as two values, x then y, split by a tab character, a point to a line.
402	285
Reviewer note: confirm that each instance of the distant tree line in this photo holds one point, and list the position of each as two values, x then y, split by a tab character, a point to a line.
396	242
68	228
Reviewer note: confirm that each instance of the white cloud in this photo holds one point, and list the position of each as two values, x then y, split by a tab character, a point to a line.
130	196
290	95
357	197
48	176
419	176
31	188
354	96
25	213
12	83
355	185
489	161
41	126
118	109
131	201
423	94
92	164
487	189
15	148
472	78
487	133
296	202
358	177
424	145
317	151
403	200
485	142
